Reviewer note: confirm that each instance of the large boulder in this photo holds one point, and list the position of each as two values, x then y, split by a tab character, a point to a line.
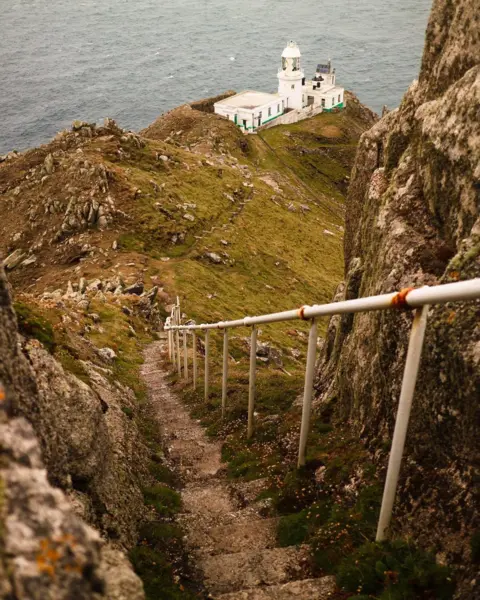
413	220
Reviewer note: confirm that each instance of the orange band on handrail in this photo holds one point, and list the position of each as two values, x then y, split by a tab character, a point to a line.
400	300
301	313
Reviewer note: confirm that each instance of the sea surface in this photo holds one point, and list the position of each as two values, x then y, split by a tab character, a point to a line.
62	60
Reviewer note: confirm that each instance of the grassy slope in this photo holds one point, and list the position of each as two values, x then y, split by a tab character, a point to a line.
279	255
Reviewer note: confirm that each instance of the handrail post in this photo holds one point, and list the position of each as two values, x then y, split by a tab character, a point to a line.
179	358
308	391
225	371
412	365
251	383
185	355
207	371
194	342
178	319
174	347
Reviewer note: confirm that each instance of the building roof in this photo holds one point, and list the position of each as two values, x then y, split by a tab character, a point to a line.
291	51
248	99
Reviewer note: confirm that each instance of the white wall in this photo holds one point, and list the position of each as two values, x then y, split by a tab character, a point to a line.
285	89
294	117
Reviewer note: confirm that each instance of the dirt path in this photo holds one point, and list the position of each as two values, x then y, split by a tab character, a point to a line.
233	546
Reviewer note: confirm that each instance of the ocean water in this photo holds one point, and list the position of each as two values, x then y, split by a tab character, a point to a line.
62	60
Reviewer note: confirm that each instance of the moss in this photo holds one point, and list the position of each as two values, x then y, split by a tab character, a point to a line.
72	364
296	528
345	529
128	411
32	324
166	501
155	570
396	145
160	536
395	571
162	473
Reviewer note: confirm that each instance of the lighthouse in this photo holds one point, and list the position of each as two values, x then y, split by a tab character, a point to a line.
295	100
291	78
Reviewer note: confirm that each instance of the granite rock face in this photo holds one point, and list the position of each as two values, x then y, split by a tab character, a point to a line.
47	551
413	220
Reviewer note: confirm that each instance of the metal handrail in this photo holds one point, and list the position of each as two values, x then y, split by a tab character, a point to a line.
420	299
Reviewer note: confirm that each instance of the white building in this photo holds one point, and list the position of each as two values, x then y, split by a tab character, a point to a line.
323	89
296	99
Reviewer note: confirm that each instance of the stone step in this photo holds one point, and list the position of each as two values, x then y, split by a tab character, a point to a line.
194	453
304	589
207	501
238	535
233	572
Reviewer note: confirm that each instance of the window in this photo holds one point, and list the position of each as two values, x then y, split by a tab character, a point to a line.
293	86
333	101
260	115
339	98
323	102
269	112
278	108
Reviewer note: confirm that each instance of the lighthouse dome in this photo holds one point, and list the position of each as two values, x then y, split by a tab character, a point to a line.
291	51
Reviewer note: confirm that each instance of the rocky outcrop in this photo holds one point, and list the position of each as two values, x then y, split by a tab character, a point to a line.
413	220
91	450
207	104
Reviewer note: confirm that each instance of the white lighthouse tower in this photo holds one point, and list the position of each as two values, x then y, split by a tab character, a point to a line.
291	77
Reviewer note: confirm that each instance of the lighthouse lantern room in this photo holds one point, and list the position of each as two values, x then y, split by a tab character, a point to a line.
291	77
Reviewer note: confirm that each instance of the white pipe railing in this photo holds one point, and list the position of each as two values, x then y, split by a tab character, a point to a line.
410	298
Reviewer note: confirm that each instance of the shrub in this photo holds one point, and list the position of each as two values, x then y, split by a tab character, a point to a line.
395	571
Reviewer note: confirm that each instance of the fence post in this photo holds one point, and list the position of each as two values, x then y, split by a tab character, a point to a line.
308	391
412	365
251	382
207	373
185	355
225	371
194	360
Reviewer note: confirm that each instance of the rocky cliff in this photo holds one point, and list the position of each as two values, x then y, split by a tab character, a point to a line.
46	549
413	219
